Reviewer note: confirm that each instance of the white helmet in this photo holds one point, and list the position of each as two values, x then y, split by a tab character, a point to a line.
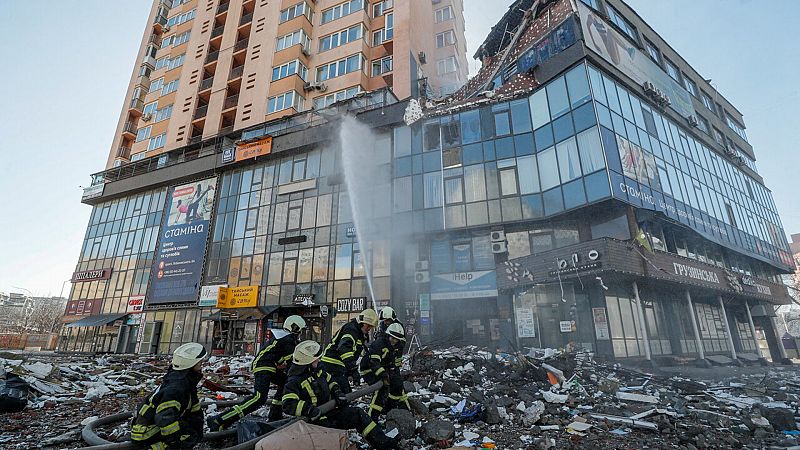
387	312
294	324
306	353
188	355
396	331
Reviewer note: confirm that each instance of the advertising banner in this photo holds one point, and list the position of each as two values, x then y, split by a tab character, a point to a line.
260	147
83	307
135	304
450	286
526	323
600	324
209	295
604	40
238	297
178	263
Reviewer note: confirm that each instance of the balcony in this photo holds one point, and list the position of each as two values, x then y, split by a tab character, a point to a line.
195	139
200	112
223	7
155	40
231	101
124	152
206	83
247	18
137	104
226	130
213	56
143	81
160	21
129	128
217	31
241	45
236	72
150	61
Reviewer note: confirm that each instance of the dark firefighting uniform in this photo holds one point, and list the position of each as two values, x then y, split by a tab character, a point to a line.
341	354
170	418
308	388
380	364
265	372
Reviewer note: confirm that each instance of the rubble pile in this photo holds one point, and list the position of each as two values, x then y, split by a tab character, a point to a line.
469	398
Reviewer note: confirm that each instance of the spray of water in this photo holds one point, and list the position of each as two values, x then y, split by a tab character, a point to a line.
362	174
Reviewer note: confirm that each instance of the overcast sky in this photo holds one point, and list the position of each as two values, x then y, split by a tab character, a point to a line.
63	93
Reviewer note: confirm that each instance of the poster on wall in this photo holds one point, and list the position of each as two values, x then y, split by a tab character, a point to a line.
525	323
600	324
178	266
604	40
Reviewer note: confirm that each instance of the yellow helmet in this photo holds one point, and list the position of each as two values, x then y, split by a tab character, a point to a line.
369	317
306	353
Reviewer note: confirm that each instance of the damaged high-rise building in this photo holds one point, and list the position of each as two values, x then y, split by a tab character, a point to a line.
586	188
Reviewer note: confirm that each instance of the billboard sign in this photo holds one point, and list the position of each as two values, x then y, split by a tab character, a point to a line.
604	40
458	285
209	295
254	149
135	304
238	297
93	191
178	266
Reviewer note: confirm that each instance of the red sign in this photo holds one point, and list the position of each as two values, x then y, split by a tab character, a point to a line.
83	307
135	303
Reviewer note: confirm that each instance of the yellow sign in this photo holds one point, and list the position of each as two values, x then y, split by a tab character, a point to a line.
238	297
260	147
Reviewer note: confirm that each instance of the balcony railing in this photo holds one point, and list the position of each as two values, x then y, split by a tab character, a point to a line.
212	56
129	127
124	152
154	39
223	7
137	104
160	20
195	139
217	31
226	130
150	61
241	45
247	18
206	83
236	72
231	101
201	112
143	81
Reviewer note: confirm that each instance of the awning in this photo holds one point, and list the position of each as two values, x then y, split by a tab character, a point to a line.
243	313
97	320
267	310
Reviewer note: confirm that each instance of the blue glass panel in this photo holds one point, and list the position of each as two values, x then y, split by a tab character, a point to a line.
553	203
524	144
434	220
472	154
402	167
597	186
562	127
619	124
417	163
610	147
470	126
432	161
520	116
584	117
504	148
532	207
543	137
618	186
488	151
573	194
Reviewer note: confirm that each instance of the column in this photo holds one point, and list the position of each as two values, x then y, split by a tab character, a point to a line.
727	326
697	340
779	337
642	326
752	328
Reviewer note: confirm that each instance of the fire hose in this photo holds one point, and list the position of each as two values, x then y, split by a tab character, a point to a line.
89	435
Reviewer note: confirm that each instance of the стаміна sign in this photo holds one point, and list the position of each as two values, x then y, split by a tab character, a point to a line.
178	266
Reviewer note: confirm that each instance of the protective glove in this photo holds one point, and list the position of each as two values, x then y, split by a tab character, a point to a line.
314	414
385	379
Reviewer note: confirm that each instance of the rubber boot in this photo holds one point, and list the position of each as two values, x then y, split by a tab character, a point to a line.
378	439
275	413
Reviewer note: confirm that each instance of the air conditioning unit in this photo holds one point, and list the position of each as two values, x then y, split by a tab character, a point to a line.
147	117
306	51
730	150
499	247
422	276
423	58
315	86
498	236
421	266
165	28
693	121
649	87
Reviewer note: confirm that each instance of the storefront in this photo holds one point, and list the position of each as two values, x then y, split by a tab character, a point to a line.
94	334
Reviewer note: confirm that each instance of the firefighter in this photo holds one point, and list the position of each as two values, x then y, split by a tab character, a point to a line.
387	317
171	418
269	367
379	364
346	346
309	387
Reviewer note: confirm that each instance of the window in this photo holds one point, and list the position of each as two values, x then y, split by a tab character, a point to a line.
181	18
334	40
446	38
290	68
702	124
718	136
384	34
591	3
181	39
342	10
380	8
176	62
690	85
621	22
381	66
150	108
294	38
448	65
156	84
170	87
300	9
157	142
443	14
167	41
142	133
286	100
162	62
734	125
672	71
707	101
652	50
338	68
163	113
137	156
327	100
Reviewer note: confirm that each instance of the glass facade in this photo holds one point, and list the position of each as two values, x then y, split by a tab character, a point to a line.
656	164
